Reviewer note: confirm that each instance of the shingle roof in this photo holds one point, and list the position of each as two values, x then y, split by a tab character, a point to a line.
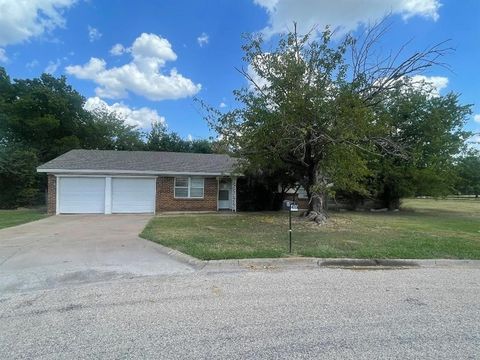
140	161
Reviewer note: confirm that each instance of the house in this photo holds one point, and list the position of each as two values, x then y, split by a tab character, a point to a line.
107	181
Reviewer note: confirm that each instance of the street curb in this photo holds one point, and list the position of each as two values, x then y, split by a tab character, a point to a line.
312	262
197	264
342	263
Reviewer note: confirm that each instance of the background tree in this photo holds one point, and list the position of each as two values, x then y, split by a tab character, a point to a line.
44	114
159	139
109	131
429	128
18	180
468	170
310	108
42	118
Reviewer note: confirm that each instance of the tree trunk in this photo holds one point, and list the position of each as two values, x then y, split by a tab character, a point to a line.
317	209
390	199
317	205
393	204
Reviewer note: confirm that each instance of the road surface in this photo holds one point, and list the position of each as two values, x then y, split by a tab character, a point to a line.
251	314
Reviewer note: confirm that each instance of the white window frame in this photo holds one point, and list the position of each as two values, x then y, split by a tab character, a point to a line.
302	193
188	187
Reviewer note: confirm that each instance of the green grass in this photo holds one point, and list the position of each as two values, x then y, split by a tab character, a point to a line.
16	217
425	228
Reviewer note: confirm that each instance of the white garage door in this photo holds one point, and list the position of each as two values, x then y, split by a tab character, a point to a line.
81	195
133	195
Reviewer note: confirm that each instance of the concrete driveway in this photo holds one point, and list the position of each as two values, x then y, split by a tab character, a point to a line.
62	250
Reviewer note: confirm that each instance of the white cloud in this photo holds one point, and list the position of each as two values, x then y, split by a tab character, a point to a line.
434	83
345	15
3	56
142	117
52	67
142	76
476	118
222	105
474	142
93	34
203	39
21	20
32	64
189	137
117	50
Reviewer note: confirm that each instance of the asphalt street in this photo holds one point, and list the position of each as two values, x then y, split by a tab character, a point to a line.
256	313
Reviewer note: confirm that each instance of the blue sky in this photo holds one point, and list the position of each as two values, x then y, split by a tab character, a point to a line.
167	52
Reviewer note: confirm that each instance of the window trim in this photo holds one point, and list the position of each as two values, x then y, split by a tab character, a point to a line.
302	193
189	188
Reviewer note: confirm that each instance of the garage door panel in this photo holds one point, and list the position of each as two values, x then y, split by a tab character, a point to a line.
132	195
81	195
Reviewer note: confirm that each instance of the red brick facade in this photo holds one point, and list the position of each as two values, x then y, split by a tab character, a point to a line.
52	194
166	201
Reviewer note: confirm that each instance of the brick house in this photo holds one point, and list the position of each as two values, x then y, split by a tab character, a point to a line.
107	181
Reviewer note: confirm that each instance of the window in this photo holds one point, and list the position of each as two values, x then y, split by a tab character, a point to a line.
189	187
302	193
223	195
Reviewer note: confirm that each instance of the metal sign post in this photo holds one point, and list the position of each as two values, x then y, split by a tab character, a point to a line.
293	207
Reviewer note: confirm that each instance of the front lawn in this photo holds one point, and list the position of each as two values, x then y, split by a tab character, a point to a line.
16	217
425	228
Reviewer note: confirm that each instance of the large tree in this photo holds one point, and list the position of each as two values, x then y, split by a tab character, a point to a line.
43	114
315	107
47	115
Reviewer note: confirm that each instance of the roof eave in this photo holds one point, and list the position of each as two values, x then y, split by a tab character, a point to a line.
132	172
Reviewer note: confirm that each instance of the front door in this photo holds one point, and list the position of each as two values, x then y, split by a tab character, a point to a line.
225	194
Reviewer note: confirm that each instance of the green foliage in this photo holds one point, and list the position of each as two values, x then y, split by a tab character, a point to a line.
352	126
44	114
108	131
430	130
302	117
468	171
18	180
159	139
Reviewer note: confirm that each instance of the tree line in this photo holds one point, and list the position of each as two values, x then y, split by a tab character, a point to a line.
44	117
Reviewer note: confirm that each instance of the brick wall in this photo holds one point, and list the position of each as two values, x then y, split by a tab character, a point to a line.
52	194
165	199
